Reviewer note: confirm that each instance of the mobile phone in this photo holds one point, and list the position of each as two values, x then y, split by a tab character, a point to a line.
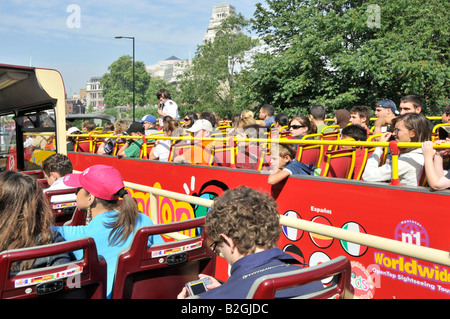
198	286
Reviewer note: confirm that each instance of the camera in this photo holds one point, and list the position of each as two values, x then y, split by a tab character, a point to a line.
198	286
443	132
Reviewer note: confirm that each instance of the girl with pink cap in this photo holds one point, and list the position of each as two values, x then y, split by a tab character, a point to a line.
111	224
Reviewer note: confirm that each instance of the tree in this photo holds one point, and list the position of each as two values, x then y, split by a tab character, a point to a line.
118	83
209	82
347	52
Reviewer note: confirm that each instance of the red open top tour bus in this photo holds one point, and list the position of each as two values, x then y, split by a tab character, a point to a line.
393	235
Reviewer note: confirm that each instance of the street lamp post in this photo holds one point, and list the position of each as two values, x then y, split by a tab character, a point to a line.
132	38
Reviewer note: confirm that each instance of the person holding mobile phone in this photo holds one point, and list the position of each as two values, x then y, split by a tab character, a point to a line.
244	228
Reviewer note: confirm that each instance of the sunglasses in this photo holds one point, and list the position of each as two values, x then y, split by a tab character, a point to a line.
296	127
187	119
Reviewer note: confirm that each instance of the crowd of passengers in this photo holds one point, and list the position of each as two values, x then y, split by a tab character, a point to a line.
404	124
27	220
26	217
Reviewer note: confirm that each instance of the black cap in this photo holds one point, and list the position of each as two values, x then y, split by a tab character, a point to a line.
135	127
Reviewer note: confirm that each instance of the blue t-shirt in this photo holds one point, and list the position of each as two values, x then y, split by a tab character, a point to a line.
269	121
100	233
246	270
296	168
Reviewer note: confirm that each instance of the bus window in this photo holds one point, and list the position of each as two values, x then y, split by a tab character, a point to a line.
38	129
7	139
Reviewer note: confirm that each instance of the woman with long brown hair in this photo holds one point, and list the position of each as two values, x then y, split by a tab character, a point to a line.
26	219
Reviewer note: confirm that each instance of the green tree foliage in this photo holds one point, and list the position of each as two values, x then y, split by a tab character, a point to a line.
347	52
118	88
210	81
118	83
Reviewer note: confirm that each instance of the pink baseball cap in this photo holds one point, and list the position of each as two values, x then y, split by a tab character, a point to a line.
102	181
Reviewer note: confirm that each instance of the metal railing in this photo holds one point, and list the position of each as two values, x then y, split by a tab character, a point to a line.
423	253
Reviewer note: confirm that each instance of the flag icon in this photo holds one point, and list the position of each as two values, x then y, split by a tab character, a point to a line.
292	233
353	249
321	241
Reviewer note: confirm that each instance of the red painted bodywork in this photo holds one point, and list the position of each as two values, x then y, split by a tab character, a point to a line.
401	213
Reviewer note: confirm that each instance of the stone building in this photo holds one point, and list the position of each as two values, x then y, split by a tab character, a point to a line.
94	92
220	12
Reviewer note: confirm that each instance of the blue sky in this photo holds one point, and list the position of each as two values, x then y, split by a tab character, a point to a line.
76	37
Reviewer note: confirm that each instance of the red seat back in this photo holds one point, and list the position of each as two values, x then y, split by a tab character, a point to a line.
161	271
79	279
361	157
309	153
82	144
339	268
340	163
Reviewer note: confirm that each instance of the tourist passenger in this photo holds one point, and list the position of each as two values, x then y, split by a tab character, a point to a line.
235	120
248	152
247	118
385	112
211	118
132	147
318	116
26	219
244	227
411	127
354	131
446	114
149	123
437	177
360	115
284	164
299	126
412	104
55	167
90	127
107	128
189	119
71	140
111	224
200	153
107	147
167	107
161	149
266	116
342	118
281	122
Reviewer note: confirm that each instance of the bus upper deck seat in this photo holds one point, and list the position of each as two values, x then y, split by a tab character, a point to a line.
82	144
178	149
263	163
80	279
63	203
339	286
161	271
340	163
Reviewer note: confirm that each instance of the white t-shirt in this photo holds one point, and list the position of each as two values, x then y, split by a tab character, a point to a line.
169	108
59	185
162	150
